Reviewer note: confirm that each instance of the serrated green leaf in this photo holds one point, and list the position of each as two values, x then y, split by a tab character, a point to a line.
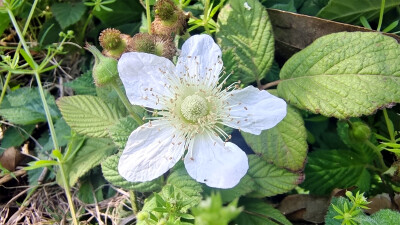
257	212
351	10
386	217
25	107
120	132
329	169
269	179
63	131
284	145
15	136
83	85
184	185
110	173
343	75
4	22
249	34
68	13
91	154
88	115
245	186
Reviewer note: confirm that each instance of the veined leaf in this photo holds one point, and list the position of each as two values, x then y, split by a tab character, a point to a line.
284	145
68	13
248	32
120	131
329	169
88	115
15	136
110	172
351	10
343	75
257	212
269	179
24	106
83	85
91	154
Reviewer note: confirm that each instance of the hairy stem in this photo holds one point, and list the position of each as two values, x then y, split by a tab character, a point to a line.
148	16
132	198
268	85
126	103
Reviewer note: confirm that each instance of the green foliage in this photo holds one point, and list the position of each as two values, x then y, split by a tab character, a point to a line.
88	115
127	11
63	132
15	136
350	11
120	132
86	156
4	22
343	75
269	179
329	169
245	186
83	85
257	212
68	13
212	212
286	5
283	145
110	172
249	34
24	106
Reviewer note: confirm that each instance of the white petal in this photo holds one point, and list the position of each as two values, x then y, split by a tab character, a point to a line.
253	110
150	152
215	163
200	58
143	81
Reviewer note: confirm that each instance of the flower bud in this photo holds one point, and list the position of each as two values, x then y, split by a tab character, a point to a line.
142	216
169	19
113	42
359	131
104	69
160	45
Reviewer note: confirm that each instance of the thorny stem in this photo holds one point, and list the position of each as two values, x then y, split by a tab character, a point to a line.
268	85
381	15
126	102
387	120
148	16
132	198
47	111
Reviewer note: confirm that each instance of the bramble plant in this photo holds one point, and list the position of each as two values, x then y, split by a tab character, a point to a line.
180	113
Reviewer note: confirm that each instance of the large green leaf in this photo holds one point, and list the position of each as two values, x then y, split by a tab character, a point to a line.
15	136
68	13
90	154
350	11
257	212
24	107
88	115
269	179
329	169
110	172
343	75
284	145
4	22
245	186
249	33
127	11
120	131
83	85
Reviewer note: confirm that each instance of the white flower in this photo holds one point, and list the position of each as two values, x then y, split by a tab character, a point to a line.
193	106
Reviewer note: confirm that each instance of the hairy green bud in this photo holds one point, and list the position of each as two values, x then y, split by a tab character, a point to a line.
359	131
160	45
104	69
113	42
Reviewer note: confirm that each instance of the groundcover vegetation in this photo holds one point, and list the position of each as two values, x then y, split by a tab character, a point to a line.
200	112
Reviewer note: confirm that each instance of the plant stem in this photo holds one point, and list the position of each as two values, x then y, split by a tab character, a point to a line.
126	103
389	125
378	153
3	92
132	198
381	15
85	26
205	17
148	16
67	192
268	85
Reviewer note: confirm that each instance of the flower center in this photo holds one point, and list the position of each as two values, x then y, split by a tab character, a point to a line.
194	107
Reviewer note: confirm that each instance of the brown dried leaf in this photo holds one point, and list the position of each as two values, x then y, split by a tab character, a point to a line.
10	158
294	32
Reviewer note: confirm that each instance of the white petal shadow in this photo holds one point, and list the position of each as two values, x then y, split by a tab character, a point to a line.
150	152
253	110
145	78
215	163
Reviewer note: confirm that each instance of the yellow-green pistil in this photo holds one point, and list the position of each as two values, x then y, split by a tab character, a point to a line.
194	107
